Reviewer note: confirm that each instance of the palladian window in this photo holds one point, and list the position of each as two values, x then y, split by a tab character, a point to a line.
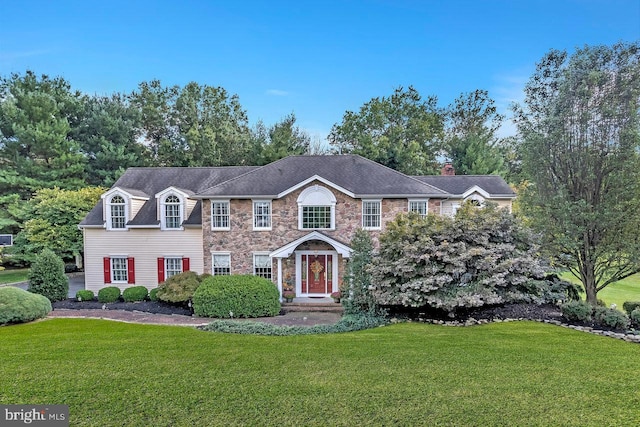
316	209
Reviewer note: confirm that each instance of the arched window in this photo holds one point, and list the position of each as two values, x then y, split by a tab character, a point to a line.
117	212
316	209
172	212
476	200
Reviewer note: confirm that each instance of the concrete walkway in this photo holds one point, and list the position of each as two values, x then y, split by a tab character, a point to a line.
289	319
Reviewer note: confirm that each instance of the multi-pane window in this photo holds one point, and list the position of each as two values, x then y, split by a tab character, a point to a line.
119	269
172	212
419	206
221	264
316	217
118	218
261	215
371	214
172	267
262	266
220	215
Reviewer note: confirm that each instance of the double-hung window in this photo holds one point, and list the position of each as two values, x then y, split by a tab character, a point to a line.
117	212
119	269
172	267
262	215
172	212
220	215
262	265
421	207
221	264
371	214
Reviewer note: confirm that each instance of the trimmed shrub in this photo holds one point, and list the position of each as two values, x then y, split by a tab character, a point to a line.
577	311
135	294
611	317
85	295
180	287
109	294
153	294
635	316
236	296
47	277
629	306
18	305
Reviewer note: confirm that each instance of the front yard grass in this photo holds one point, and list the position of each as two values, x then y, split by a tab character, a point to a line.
13	276
520	373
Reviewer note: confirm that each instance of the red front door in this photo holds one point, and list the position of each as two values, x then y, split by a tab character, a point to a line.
317	274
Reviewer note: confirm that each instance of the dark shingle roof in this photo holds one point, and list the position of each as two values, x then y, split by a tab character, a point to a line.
459	184
360	176
147	182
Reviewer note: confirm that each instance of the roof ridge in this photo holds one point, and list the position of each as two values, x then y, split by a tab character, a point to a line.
400	173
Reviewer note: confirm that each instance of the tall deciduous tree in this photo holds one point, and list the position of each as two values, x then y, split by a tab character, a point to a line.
580	142
283	139
194	125
401	131
52	220
36	147
471	141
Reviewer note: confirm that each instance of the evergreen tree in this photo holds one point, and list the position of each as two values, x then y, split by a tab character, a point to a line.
47	277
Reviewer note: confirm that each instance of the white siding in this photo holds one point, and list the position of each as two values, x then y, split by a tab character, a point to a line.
448	205
145	246
136	205
190	205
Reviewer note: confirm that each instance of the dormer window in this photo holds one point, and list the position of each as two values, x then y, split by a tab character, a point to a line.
172	212
316	209
117	213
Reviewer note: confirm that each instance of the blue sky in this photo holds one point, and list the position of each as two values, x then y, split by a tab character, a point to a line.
317	59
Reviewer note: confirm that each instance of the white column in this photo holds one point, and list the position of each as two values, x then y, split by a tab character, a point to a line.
280	277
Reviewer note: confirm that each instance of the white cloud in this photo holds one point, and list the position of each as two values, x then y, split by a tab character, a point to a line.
277	92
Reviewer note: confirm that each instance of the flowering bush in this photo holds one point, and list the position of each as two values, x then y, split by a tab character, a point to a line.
288	295
335	295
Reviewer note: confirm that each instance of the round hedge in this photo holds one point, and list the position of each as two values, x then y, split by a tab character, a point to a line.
85	295
236	296
135	294
153	294
18	305
109	294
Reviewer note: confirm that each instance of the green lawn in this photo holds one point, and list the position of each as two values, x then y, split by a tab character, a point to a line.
520	373
616	293
12	276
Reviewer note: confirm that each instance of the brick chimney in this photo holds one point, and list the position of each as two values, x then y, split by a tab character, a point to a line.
447	170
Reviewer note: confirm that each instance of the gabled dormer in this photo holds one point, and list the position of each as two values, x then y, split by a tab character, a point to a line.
174	206
121	205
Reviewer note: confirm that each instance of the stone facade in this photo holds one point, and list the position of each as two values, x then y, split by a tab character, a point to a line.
241	241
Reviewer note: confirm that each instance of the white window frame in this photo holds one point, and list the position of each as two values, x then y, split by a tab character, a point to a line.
113	269
255	267
168	259
213	266
316	196
109	211
214	215
255	216
426	204
163	210
365	202
331	217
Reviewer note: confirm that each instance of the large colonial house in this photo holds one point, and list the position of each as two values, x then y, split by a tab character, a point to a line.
290	221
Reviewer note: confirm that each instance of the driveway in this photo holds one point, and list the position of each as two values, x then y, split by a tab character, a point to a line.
76	283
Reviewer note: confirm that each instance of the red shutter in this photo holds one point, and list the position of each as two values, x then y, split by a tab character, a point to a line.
131	270
185	264
160	270
106	261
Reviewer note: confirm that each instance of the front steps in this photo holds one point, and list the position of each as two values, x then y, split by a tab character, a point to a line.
311	307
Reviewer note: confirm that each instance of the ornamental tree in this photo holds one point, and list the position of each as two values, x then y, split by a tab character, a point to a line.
481	257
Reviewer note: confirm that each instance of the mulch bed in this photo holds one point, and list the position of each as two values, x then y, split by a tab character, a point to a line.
154	307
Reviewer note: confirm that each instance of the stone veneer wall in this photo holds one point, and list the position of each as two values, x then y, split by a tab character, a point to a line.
242	242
